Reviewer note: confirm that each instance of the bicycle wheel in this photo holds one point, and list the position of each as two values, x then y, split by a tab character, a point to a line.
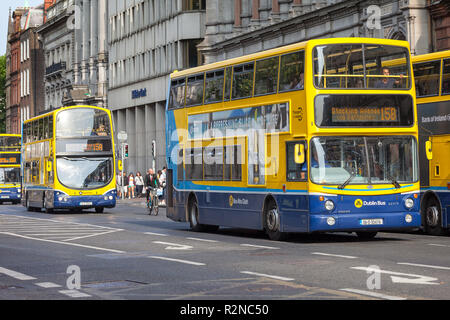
149	207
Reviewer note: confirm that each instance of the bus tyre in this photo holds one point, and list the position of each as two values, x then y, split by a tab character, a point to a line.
272	223
99	209
366	235
433	218
193	216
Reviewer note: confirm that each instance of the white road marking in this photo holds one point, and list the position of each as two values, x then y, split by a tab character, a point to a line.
334	255
156	234
373	294
438	245
267	276
423	265
174	246
48	285
60	242
178	260
15	274
204	240
258	246
398	277
75	294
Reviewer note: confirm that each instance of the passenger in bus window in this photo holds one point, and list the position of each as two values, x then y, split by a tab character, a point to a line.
387	82
102	130
297	82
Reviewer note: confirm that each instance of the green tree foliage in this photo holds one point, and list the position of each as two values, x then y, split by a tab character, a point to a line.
2	94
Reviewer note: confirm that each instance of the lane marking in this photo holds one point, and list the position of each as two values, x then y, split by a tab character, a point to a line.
75	294
61	242
205	240
438	245
373	294
267	276
178	260
174	246
258	246
48	285
396	277
423	265
156	234
334	255
15	274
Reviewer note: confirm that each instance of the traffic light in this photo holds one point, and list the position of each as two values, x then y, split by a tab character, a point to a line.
125	150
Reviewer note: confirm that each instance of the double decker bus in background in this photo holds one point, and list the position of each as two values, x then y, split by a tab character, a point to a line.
68	160
319	136
432	77
10	182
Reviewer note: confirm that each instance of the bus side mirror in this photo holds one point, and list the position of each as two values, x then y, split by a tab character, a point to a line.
428	150
299	153
120	165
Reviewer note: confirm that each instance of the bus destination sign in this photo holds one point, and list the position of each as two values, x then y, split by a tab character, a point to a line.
364	114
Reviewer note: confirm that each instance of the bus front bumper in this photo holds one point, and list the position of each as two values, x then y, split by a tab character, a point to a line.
407	220
84	202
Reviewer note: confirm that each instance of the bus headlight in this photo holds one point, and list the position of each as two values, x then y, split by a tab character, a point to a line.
329	205
331	221
19	190
409	203
408	218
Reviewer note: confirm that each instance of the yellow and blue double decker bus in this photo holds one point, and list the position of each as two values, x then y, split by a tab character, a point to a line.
319	136
10	182
68	160
432	77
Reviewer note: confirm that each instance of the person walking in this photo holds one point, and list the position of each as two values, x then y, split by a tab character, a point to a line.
139	181
162	183
125	185
131	186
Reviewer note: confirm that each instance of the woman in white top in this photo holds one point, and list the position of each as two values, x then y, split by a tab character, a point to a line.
131	186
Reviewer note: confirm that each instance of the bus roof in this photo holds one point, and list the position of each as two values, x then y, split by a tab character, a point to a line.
285	49
431	56
64	108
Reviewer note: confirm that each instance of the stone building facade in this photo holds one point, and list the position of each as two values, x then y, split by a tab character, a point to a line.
149	39
75	47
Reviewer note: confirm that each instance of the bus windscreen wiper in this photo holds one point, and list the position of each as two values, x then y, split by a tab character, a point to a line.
342	186
394	182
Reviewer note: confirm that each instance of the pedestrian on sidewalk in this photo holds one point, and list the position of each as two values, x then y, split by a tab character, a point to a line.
125	185
139	181
131	186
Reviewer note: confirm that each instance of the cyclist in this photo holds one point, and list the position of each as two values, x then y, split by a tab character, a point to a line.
151	183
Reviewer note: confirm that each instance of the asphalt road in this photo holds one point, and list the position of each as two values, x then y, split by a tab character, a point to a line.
125	254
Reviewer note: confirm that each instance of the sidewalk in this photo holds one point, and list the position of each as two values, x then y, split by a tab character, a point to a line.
136	202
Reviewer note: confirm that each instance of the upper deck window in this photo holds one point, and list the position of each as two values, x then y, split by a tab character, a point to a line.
292	71
356	66
194	90
214	86
177	91
243	81
446	77
266	76
81	122
426	76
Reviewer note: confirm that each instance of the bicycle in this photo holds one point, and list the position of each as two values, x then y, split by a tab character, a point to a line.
152	203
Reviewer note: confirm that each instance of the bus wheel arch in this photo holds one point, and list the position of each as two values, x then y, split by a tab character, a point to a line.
271	220
431	210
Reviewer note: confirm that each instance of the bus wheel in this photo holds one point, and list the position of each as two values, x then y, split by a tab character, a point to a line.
367	235
433	218
272	223
193	216
99	209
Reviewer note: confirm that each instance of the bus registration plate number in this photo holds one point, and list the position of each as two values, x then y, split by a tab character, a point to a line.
85	203
4	197
370	222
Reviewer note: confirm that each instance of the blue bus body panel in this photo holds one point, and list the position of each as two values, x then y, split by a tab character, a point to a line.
10	194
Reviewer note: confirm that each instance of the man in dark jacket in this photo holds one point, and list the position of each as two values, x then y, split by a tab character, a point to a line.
151	181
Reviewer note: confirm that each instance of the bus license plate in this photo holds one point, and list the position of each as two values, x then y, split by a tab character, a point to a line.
4	197
371	222
85	203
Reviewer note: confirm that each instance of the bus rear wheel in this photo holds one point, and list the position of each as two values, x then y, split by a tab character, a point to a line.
433	218
272	223
193	218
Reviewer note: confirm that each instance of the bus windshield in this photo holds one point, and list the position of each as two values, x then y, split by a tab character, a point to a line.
80	122
9	175
84	173
363	160
359	66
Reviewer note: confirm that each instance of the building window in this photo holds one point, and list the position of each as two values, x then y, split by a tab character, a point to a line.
192	57
189	5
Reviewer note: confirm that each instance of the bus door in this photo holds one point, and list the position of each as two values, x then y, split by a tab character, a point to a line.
256	157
